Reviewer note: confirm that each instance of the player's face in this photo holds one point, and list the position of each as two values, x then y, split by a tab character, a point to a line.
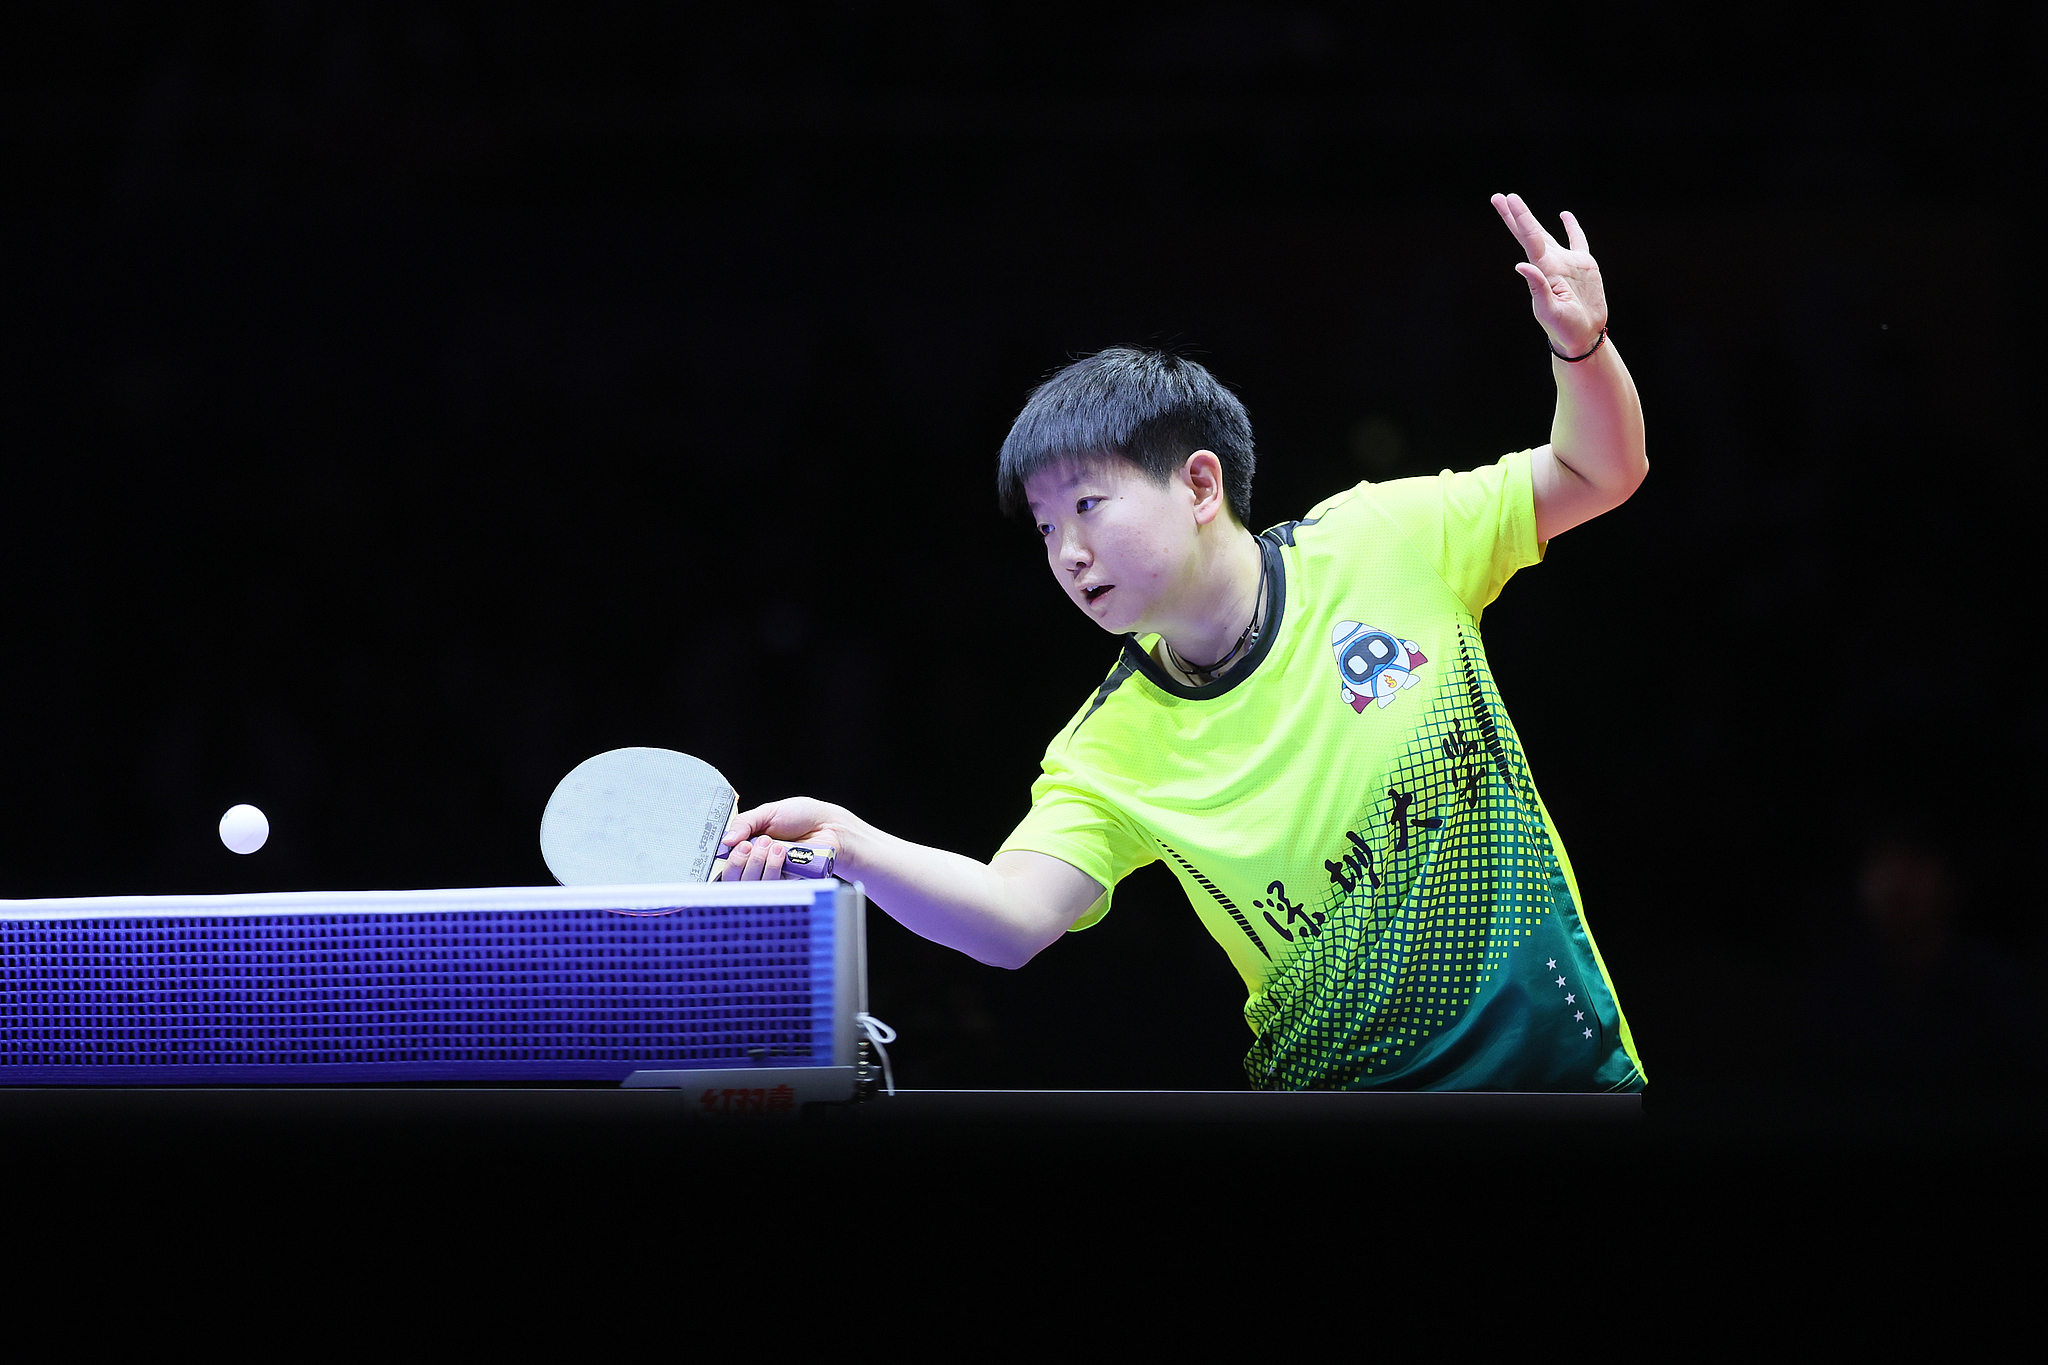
1121	546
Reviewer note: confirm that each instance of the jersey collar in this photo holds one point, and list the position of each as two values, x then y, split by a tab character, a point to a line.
1144	663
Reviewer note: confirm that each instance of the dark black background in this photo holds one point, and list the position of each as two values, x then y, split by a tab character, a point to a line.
404	402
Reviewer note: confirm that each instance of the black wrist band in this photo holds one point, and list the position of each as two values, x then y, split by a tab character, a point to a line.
1575	359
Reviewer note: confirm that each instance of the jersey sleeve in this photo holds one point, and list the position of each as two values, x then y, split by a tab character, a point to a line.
1071	822
1476	528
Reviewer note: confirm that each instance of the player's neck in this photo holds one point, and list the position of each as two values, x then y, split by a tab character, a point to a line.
1220	601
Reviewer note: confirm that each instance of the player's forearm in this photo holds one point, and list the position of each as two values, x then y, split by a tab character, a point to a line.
946	897
1596	434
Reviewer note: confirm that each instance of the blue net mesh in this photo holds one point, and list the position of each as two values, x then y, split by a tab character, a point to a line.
571	994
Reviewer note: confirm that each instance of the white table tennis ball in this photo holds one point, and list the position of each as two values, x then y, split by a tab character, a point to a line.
243	829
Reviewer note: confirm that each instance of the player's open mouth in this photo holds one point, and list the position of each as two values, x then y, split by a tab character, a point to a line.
1095	593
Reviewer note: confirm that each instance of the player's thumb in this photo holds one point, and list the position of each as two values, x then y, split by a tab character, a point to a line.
1539	284
746	824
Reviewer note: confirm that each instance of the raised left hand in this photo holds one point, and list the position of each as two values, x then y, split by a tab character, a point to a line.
1564	281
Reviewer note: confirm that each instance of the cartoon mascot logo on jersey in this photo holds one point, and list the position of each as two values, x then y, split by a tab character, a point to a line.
1373	664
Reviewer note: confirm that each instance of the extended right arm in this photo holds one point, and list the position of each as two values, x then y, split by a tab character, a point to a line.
1003	912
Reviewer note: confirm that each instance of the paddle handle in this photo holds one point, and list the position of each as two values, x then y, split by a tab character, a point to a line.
803	860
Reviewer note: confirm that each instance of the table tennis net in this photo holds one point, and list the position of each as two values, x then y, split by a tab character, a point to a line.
566	994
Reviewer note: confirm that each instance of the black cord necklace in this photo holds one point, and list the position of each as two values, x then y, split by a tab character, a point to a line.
1250	635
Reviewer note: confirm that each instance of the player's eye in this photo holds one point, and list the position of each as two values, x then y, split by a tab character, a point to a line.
1086	504
1044	528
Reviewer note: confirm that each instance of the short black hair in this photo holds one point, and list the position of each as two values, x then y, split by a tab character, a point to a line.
1153	408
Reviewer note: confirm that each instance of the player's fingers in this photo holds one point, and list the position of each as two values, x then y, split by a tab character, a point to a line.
1538	282
771	870
723	858
732	862
748	823
757	860
1574	234
1536	239
1504	206
792	817
1521	222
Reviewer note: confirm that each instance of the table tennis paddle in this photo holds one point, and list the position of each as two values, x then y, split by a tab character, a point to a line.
635	816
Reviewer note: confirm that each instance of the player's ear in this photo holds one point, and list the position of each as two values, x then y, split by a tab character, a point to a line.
1204	474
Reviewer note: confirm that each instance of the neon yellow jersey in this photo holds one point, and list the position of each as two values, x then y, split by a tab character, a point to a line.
1351	813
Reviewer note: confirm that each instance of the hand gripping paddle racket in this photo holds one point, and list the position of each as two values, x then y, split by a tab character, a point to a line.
634	816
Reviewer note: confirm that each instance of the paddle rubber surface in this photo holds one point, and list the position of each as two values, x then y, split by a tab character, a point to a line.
633	816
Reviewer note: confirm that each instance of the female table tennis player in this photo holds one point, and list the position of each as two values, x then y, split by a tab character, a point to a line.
1302	724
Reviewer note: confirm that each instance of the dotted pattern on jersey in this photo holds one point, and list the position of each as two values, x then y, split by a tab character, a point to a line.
1396	964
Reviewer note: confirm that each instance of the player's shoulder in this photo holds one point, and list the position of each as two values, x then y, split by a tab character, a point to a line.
1101	724
1337	516
1407	503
